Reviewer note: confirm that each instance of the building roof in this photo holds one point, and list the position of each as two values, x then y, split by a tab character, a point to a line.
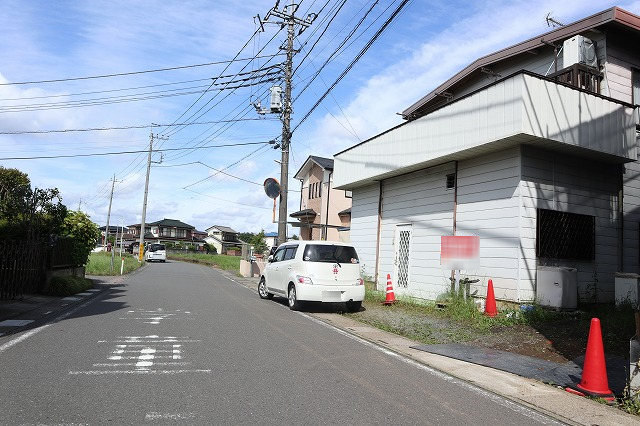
613	16
222	229
304	213
114	228
166	222
325	163
345	212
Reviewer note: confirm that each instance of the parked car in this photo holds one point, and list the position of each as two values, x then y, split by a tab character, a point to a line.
320	271
155	252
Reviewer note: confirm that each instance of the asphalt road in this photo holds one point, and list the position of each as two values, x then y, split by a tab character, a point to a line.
183	343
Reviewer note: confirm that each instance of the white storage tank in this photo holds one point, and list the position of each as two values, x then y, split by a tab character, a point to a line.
557	287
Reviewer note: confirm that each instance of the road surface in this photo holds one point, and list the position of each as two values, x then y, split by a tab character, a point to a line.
184	343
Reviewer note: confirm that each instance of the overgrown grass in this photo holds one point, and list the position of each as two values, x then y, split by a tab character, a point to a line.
228	263
99	264
466	320
67	286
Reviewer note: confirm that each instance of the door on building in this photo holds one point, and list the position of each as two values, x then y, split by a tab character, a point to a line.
402	251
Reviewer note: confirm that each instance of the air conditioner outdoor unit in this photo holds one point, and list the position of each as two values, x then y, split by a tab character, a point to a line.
627	288
579	50
557	287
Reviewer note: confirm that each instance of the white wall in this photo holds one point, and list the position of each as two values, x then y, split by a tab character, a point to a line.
364	226
575	185
421	199
488	206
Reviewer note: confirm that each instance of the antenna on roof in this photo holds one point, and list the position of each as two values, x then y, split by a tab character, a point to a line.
552	22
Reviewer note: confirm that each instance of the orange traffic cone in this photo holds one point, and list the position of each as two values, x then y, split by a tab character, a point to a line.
490	309
594	372
391	297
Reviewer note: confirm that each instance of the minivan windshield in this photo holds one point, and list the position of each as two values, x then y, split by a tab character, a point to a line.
156	247
330	254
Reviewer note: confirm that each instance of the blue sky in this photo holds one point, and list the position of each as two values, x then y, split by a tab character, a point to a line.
45	40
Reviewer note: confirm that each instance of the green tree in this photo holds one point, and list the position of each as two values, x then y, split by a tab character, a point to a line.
246	236
258	242
27	213
78	227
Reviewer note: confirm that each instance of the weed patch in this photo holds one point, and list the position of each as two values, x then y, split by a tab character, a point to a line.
99	264
228	263
67	286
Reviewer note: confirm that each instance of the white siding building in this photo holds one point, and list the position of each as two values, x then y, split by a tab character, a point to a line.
542	168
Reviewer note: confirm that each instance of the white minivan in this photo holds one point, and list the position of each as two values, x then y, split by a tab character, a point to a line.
319	271
156	252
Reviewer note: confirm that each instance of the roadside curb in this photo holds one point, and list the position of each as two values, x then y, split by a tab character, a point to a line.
544	398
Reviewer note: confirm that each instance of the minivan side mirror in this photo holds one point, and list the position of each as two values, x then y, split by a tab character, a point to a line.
270	259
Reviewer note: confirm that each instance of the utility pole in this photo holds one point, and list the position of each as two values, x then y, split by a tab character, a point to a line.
146	192
106	231
286	17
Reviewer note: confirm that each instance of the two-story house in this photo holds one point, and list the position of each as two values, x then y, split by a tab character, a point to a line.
324	210
532	148
223	239
170	231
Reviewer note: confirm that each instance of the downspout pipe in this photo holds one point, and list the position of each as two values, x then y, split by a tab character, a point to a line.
378	231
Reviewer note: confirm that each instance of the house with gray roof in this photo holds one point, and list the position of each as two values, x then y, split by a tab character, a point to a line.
223	238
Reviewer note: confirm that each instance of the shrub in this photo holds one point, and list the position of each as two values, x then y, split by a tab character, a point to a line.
68	285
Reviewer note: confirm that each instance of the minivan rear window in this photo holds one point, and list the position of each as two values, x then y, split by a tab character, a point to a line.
330	254
156	247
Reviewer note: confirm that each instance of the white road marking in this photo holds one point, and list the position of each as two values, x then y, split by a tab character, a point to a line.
14	323
168	416
83	294
70	298
107	372
93	290
48	312
129	364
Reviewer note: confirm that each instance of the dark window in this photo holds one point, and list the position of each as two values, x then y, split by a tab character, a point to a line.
563	235
348	194
451	180
310	191
319	189
330	254
290	253
156	247
279	255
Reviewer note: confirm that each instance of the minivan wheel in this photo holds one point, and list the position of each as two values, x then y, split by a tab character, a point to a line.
262	290
354	306
294	304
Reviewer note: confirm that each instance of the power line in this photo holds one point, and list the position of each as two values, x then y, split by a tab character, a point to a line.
58	80
133	126
118	99
354	61
228	201
97	154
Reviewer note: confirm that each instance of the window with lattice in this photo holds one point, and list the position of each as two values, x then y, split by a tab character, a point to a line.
561	235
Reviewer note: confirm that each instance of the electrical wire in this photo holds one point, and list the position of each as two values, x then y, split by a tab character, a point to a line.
128	127
98	154
353	62
235	59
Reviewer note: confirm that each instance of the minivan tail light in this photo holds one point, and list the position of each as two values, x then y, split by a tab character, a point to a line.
359	281
304	280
